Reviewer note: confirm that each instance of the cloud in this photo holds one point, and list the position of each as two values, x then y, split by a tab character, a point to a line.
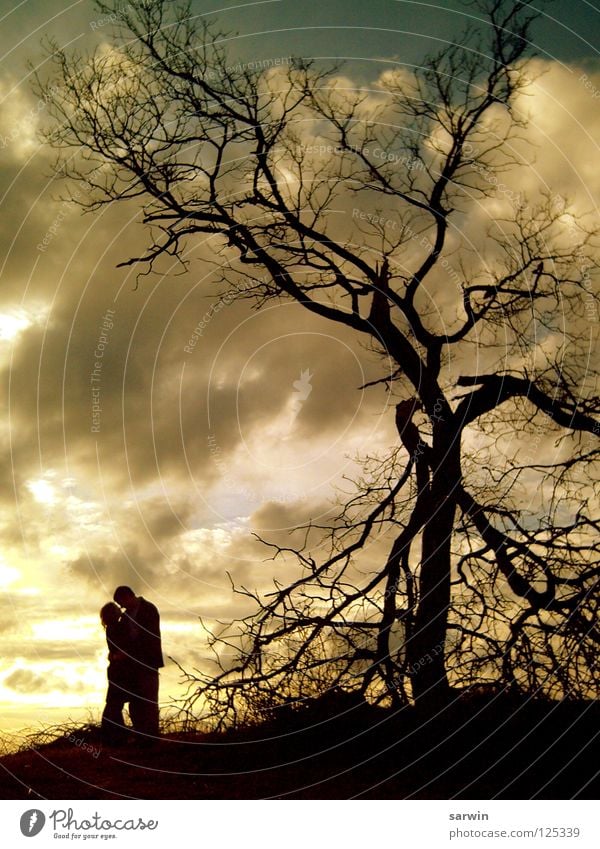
26	682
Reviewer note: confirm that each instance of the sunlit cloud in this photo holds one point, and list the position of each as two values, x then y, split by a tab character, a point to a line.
72	630
43	491
13	322
8	575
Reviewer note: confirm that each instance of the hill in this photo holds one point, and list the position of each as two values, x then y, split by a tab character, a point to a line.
482	749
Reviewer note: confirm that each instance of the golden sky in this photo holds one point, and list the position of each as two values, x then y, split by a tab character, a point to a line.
135	452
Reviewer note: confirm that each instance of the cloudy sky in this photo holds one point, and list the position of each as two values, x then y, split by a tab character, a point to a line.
130	455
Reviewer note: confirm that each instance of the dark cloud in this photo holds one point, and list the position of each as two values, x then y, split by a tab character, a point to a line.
277	517
27	682
58	651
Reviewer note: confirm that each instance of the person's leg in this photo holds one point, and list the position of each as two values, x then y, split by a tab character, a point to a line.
143	706
135	699
113	728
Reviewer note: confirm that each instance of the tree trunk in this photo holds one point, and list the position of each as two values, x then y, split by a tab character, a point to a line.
426	648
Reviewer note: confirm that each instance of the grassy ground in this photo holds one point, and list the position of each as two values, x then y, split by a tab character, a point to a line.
475	751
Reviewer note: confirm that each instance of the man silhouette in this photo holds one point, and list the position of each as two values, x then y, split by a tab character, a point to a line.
142	621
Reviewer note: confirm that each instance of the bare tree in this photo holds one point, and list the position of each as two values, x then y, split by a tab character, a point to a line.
481	582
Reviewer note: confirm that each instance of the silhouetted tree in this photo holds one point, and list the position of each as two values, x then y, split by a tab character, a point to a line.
493	571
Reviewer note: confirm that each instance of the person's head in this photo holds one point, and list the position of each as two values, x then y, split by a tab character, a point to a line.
125	597
109	614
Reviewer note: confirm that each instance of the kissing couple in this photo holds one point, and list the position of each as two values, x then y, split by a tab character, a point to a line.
132	627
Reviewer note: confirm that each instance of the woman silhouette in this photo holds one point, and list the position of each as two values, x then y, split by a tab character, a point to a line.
114	730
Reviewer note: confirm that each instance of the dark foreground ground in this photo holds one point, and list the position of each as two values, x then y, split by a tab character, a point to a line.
474	751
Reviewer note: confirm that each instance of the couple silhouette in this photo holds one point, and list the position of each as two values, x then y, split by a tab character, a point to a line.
132	627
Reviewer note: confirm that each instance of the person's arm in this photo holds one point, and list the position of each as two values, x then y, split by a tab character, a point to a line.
152	635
